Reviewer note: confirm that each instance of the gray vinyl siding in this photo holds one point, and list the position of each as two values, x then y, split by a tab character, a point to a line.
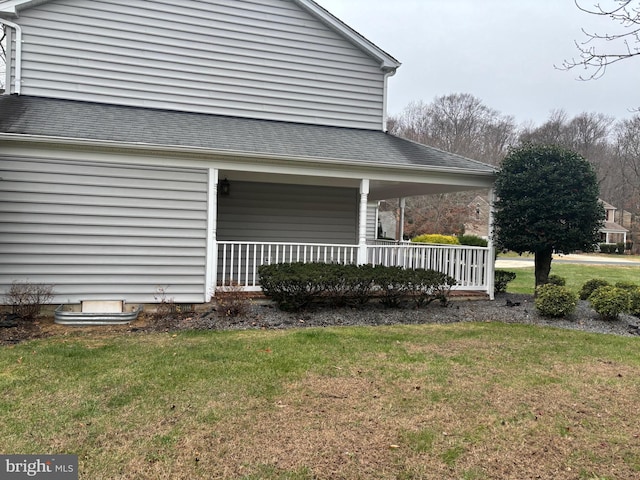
100	232
372	224
264	212
265	59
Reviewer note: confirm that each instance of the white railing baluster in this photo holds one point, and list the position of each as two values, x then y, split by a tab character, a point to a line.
224	264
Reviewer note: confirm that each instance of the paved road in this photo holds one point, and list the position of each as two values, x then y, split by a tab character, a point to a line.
521	262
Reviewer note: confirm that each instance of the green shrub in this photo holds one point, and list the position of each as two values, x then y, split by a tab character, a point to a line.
557	280
294	286
394	285
609	302
634	301
555	300
436	238
357	283
629	286
425	286
501	280
608	247
620	248
472	240
590	286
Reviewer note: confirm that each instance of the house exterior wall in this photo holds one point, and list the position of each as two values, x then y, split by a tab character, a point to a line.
478	219
103	231
372	220
267	59
269	212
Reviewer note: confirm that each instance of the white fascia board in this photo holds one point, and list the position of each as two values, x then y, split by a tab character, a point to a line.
387	62
385	169
11	8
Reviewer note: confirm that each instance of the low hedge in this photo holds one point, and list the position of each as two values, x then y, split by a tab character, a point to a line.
472	240
294	286
437	239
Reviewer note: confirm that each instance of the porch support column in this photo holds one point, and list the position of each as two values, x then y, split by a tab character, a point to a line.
362	222
491	253
211	267
403	204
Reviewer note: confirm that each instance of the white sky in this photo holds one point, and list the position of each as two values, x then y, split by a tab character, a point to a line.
501	51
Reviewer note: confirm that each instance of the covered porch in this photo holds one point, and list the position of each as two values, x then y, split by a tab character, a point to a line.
263	219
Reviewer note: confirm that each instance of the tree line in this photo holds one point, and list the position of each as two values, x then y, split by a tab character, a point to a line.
462	124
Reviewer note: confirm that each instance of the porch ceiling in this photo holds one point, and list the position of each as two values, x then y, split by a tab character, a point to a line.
379	189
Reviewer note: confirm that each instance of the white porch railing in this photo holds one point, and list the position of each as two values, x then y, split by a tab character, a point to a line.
468	265
238	262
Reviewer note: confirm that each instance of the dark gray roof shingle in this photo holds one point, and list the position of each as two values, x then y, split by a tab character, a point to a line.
105	122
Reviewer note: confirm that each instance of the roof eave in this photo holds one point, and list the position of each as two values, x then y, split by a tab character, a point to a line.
209	152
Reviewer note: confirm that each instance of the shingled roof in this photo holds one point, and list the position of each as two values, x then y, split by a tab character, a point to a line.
66	119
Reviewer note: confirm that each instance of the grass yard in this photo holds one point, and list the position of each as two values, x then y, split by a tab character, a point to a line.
575	274
460	401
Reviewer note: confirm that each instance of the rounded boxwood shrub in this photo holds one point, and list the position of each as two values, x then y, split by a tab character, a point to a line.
557	280
626	285
590	286
609	301
634	302
555	300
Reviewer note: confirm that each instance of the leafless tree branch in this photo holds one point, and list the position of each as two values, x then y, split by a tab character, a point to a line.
599	51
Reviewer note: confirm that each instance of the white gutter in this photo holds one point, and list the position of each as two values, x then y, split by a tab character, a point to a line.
18	65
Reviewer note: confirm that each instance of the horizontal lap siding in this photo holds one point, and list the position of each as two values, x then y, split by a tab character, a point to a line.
103	232
264	212
264	59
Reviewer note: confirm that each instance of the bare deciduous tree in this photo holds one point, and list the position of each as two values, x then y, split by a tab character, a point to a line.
599	51
458	123
627	154
586	133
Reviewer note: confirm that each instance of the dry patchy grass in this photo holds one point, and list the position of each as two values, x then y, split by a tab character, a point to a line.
466	401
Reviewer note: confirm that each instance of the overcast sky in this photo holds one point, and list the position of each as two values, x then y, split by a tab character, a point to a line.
501	51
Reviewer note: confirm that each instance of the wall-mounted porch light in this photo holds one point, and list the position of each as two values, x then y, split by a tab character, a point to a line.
224	187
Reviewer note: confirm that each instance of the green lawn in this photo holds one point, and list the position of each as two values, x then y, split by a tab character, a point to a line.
464	401
575	274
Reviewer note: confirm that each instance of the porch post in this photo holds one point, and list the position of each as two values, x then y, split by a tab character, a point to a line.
491	253
362	222
403	204
211	267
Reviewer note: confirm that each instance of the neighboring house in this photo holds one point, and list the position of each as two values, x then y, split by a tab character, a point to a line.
479	217
611	232
149	145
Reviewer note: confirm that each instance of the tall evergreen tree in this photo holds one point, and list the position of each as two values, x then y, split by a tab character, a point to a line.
547	200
